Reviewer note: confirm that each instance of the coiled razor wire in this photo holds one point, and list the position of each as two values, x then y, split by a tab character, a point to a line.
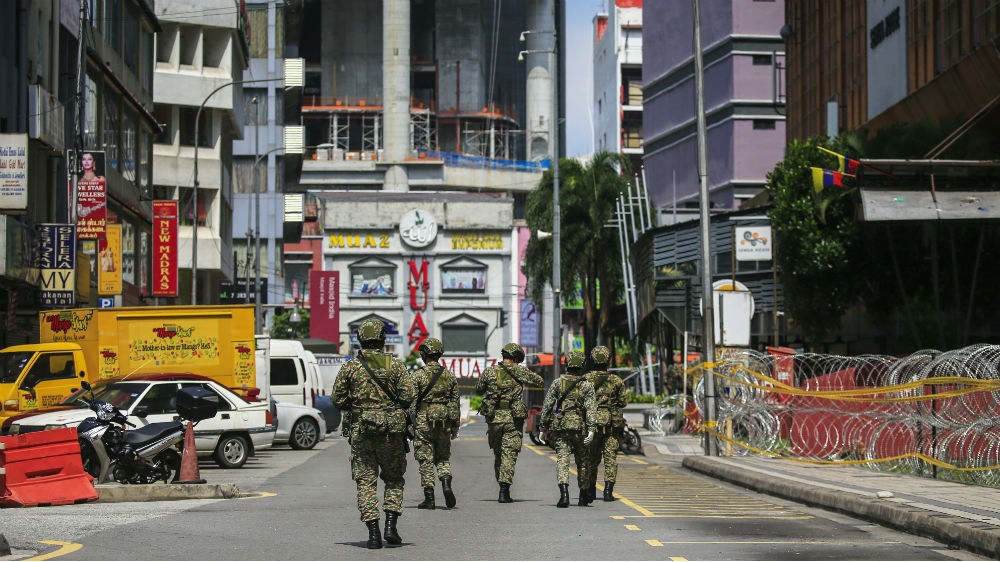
932	413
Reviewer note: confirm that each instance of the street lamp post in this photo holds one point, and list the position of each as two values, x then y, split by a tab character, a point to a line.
293	77
556	213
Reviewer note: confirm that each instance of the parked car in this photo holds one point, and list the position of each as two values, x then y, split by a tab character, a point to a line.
237	431
302	427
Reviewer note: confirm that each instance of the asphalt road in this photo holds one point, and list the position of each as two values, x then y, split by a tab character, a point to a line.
300	505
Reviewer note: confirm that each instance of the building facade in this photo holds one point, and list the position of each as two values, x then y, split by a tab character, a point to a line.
743	54
47	118
201	54
618	81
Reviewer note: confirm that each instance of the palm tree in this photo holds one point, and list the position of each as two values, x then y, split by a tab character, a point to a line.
589	252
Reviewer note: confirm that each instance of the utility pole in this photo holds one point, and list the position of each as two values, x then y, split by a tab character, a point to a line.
81	71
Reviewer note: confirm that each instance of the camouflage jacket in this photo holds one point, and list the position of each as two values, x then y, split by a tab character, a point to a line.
355	390
440	402
502	392
566	398
610	395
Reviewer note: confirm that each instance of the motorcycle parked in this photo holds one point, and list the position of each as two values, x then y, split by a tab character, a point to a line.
142	455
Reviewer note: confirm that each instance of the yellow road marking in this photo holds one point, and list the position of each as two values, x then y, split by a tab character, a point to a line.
835	543
678	559
64	549
652	542
255	495
632	527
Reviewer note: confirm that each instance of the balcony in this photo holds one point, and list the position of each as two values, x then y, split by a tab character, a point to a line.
45	118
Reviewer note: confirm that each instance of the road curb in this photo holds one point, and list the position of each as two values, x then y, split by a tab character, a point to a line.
111	493
952	531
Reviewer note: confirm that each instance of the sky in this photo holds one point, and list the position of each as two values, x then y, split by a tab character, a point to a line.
579	88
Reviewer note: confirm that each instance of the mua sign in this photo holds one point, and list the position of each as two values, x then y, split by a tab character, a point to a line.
164	249
419	285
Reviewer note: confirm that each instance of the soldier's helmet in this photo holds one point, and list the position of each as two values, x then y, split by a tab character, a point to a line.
574	359
372	330
600	355
432	347
513	351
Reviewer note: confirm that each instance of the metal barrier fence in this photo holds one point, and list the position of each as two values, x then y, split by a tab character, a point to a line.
932	413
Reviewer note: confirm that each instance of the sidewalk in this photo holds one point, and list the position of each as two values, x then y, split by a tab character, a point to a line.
954	514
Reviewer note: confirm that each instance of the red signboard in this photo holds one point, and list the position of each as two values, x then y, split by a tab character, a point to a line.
324	305
164	249
91	196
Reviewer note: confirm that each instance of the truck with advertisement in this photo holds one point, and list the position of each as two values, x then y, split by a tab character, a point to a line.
95	344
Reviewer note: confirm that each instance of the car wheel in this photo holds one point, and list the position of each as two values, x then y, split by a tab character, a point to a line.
305	434
232	451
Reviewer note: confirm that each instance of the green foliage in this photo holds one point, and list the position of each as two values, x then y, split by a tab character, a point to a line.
589	251
413	361
282	327
475	401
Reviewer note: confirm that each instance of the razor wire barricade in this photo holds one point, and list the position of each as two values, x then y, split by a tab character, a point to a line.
933	413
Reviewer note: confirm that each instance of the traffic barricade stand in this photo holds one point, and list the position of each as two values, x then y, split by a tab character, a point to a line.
43	468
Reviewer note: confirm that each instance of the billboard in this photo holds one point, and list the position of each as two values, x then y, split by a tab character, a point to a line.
109	261
164	283
57	262
14	171
324	305
91	195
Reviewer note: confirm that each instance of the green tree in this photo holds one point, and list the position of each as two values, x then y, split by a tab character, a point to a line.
589	251
283	328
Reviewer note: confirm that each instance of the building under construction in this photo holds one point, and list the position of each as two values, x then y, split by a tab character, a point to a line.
402	85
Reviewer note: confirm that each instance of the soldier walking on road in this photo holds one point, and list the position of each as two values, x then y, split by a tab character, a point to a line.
571	411
609	391
501	387
437	416
374	390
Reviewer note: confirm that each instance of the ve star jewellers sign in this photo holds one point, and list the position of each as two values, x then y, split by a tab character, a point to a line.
418	228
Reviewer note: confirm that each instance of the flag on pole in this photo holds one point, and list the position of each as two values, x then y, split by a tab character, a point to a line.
826	178
844	164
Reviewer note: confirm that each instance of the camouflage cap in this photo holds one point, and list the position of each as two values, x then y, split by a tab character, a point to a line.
575	359
432	346
600	355
372	330
514	351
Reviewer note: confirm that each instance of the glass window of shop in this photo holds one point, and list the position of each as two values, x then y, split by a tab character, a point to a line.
463	336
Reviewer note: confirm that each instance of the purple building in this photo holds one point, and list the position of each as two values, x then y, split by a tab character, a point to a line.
743	55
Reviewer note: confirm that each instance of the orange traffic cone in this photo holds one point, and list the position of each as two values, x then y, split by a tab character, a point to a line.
189	459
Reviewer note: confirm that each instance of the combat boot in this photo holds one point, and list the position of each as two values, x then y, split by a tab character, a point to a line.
449	495
391	536
584	496
609	488
563	496
504	493
428	502
592	494
374	536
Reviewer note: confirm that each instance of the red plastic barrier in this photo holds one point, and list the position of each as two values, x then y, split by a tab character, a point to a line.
43	468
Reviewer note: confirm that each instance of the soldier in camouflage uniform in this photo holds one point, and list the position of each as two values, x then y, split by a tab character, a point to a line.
374	390
501	387
571	411
437	416
611	401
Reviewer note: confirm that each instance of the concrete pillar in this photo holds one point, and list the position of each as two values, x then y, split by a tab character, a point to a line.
540	71
396	91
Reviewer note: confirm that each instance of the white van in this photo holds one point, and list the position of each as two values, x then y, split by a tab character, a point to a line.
292	378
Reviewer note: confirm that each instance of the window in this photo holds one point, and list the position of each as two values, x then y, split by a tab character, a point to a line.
463	334
145	170
52	366
205	197
146	58
283	371
160	399
131	35
762	60
463	280
224	405
164	116
187	127
112	107
129	148
165	41
189	37
90	139
764	124
112	24
372	279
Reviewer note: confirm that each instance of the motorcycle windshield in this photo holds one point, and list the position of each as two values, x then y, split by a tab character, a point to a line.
121	395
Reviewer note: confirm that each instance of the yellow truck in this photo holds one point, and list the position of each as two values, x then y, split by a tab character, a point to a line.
94	344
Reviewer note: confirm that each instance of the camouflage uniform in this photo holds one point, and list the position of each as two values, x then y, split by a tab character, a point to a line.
611	401
505	411
571	411
437	417
376	426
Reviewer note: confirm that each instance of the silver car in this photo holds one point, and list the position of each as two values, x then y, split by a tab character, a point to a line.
302	427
